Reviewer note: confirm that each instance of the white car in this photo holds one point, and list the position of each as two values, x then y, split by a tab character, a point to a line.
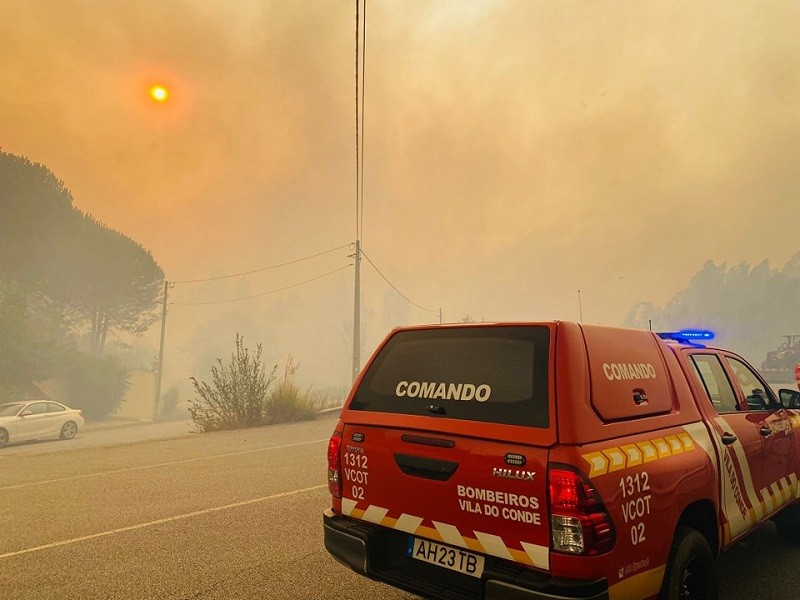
37	419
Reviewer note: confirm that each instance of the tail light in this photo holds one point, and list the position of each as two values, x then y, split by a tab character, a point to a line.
580	523
335	465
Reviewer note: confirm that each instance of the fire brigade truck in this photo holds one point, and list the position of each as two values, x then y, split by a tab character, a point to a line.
557	460
779	362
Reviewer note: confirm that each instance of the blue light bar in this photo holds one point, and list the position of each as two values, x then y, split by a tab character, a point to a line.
696	334
687	336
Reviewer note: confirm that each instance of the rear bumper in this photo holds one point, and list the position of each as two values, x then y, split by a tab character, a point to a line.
378	553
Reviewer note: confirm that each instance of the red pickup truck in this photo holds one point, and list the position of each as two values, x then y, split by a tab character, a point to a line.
556	460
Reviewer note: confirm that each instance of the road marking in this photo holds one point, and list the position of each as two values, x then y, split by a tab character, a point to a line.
164	464
161	521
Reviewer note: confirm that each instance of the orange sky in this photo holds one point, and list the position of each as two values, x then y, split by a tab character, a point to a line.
515	151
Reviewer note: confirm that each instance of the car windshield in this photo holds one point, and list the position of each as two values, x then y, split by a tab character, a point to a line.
7	410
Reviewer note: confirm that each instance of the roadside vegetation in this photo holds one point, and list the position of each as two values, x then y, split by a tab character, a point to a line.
170	408
68	285
243	392
99	385
73	295
287	402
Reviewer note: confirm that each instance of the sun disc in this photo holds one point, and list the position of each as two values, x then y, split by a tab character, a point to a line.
159	93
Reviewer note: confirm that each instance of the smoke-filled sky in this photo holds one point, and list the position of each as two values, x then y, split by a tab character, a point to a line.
515	152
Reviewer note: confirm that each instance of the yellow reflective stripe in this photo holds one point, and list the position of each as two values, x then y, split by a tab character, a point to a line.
598	464
662	447
633	455
616	458
675	445
687	441
648	451
778	494
641	585
484	543
746	482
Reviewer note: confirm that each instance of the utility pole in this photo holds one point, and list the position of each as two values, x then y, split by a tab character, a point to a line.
357	313
440	316
361	26
580	307
161	354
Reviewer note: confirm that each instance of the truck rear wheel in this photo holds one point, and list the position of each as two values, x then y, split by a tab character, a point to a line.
690	570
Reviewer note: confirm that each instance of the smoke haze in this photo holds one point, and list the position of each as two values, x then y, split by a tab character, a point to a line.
515	152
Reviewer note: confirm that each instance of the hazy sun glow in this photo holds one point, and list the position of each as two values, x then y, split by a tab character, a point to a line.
159	93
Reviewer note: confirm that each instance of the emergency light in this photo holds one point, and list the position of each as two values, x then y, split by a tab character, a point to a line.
687	336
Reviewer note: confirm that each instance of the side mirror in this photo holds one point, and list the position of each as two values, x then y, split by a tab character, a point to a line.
757	400
789	398
25	413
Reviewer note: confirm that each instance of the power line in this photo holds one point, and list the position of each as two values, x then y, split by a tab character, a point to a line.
364	254
288	287
291	262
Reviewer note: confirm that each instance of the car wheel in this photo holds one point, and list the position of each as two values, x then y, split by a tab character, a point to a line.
3	437
690	571
68	430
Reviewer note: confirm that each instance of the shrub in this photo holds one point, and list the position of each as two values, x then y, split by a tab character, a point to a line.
237	394
97	386
287	402
168	406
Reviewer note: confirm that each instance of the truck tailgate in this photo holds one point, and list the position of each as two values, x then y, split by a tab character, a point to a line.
484	496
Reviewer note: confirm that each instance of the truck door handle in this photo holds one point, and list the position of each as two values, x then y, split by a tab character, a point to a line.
765	431
728	438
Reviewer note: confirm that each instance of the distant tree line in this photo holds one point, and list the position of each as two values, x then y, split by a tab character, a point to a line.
749	308
66	283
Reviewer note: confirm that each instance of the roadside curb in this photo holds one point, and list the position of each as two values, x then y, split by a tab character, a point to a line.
103	425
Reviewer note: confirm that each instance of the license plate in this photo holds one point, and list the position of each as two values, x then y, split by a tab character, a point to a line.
454	559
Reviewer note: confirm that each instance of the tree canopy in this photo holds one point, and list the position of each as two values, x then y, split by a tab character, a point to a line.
24	355
36	215
118	284
749	308
72	270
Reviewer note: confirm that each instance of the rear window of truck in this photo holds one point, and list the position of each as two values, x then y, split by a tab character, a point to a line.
487	374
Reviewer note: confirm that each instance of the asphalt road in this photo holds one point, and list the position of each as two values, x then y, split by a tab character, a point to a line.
224	515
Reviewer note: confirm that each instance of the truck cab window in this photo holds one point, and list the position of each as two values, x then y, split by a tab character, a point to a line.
757	394
709	372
